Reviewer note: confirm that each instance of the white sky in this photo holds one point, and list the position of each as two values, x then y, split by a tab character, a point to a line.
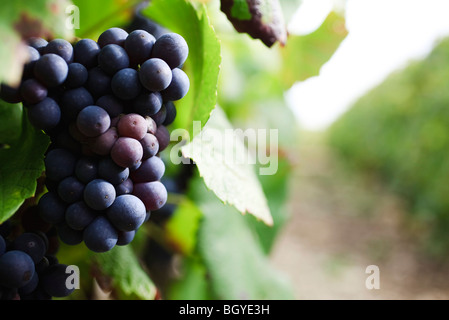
383	36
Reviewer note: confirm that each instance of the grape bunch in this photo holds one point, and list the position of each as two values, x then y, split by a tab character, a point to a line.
29	269
105	105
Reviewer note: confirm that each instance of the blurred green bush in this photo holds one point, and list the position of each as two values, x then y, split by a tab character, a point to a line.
399	132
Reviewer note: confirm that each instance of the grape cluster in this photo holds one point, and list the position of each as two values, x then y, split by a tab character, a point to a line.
105	105
29	269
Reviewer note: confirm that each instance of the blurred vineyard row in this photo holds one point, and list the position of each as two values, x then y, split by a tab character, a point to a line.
398	134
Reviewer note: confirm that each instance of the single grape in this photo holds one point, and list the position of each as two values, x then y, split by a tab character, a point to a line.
69	235
70	189
155	74
78	215
51	70
32	91
52	208
125	84
138	45
147	103
93	121
111	172
28	68
126	187
153	194
44	115
172	48
151	169
10	94
170	110
86	169
30	243
98	83
160	116
112	58
125	237
86	52
37	43
62	48
163	136
112	36
100	235
75	100
99	194
127	152
111	104
103	144
132	125
127	213
16	269
53	281
179	86
150	145
30	286
77	75
59	164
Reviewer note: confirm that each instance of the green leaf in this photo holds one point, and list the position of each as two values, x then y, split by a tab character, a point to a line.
20	166
236	265
180	230
10	122
97	16
130	281
262	19
203	63
303	56
22	19
225	165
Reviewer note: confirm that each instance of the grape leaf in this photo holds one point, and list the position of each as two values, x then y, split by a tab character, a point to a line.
261	19
203	63
225	165
129	280
22	19
10	122
303	56
236	265
20	166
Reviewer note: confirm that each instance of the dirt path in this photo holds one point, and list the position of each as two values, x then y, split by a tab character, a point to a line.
339	226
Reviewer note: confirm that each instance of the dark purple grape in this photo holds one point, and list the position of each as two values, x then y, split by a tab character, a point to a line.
37	43
16	269
32	91
70	189
75	100
112	36
98	83
125	84
111	104
92	121
172	48
150	146
30	243
86	52
77	75
103	144
153	194
28	68
147	103
10	94
179	86
62	48
127	152
86	169
44	115
125	237
126	187
138	45
54	281
151	169
112	58
170	109
163	136
30	286
51	70
132	125
99	194
127	213
52	208
155	74
79	215
111	172
69	235
160	116
100	235
59	164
